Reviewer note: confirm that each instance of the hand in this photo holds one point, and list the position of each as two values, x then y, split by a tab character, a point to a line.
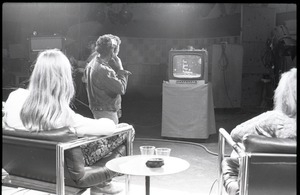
116	62
128	72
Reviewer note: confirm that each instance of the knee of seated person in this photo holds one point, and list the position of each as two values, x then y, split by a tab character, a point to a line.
232	188
230	164
230	173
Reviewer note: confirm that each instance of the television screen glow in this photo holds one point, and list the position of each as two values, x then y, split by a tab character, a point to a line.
187	66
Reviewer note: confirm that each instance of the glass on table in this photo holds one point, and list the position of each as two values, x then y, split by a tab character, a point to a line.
147	150
163	151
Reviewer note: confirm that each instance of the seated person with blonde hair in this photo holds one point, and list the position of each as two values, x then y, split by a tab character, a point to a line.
277	123
45	105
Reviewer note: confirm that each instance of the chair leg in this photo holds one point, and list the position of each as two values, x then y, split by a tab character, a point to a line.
127	184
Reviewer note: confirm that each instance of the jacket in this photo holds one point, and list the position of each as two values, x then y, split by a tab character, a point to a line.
105	86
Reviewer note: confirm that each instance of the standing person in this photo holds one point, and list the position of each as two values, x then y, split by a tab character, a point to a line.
106	79
45	106
278	123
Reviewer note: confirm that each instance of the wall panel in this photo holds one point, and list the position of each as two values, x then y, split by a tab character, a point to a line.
147	59
257	25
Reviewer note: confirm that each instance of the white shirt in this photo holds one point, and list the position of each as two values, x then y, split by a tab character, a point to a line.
81	125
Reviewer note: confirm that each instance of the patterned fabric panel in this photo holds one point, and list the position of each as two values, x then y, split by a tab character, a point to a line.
94	151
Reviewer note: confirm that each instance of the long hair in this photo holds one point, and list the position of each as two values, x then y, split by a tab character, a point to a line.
51	90
285	97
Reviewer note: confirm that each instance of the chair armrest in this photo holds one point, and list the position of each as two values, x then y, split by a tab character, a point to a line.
124	127
262	155
236	147
62	147
225	137
262	144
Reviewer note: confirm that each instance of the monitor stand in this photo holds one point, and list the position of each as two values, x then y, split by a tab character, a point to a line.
187	111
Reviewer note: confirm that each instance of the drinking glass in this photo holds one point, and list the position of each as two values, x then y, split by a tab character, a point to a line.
147	150
163	151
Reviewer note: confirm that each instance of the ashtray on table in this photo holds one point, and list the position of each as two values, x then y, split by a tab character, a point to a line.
155	162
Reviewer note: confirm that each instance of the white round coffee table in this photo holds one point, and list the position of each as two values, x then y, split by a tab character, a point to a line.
136	165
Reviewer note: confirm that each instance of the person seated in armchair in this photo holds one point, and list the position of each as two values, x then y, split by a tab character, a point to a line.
45	105
277	123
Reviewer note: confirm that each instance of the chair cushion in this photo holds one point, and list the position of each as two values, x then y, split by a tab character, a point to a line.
258	143
76	174
73	157
59	135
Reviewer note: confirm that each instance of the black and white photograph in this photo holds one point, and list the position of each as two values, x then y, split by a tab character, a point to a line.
140	98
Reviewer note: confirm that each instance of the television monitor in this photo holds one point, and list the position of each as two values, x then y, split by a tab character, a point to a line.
43	43
187	65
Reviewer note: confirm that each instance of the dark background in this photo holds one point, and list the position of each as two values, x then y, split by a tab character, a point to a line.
80	23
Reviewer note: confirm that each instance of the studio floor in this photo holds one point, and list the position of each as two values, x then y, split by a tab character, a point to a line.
145	114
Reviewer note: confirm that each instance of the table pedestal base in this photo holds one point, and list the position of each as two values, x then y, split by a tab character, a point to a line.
147	182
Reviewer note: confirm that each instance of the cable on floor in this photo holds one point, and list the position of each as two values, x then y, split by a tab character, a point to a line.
182	142
212	186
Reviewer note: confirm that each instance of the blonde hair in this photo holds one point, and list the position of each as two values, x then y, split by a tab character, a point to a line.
285	97
51	90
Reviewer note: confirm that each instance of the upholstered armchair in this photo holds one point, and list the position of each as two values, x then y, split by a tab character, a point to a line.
267	165
52	161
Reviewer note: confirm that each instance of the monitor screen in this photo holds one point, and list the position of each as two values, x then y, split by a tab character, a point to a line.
43	43
187	66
